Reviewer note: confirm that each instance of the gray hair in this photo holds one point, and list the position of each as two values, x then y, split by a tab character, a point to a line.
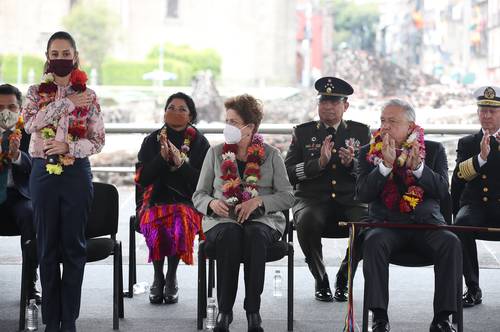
409	110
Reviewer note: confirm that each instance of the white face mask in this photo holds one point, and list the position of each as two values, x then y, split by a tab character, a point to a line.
232	134
8	119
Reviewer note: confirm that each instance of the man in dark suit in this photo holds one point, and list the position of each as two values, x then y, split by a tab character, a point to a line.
475	186
15	168
321	164
404	180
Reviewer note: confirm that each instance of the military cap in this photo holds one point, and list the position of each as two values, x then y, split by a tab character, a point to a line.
488	96
332	88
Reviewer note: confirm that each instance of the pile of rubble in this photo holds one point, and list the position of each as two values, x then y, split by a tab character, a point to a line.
377	78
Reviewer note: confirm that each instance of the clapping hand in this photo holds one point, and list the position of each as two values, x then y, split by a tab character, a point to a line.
413	161
485	145
388	151
346	156
326	151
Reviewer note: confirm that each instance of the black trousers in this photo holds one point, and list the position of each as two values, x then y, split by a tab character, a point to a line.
61	205
235	243
17	209
320	220
443	246
475	215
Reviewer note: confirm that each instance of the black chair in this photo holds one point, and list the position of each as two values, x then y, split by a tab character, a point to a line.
133	228
277	251
11	229
103	222
408	257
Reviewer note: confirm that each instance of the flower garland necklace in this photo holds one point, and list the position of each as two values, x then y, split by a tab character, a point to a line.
189	137
400	191
234	190
5	156
76	130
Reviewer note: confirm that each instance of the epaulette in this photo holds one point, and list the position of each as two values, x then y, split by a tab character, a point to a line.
306	124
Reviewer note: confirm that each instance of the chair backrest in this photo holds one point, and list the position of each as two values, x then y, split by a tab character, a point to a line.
103	218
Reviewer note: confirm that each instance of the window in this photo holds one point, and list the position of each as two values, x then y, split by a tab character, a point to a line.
172	9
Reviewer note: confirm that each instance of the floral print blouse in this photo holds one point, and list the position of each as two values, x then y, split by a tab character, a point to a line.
81	128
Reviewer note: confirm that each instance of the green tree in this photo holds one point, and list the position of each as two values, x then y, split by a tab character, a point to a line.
92	24
354	24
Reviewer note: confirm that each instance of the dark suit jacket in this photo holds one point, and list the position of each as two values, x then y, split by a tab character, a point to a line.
434	182
484	189
21	173
333	183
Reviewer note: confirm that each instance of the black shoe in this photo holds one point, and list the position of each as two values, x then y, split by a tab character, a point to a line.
254	322
472	297
322	290
381	325
341	294
171	292
223	321
156	291
444	326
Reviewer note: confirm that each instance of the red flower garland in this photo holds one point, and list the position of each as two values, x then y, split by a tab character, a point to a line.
391	196
5	156
234	189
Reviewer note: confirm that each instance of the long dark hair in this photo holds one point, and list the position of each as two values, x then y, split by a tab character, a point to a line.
64	36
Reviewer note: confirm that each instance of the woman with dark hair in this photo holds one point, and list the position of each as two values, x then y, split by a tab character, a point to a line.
169	165
66	127
242	190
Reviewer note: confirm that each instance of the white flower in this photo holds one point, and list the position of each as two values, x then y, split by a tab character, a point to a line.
48	78
229	156
412	137
252	191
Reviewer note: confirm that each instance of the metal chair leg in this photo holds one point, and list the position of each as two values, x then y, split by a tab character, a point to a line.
120	281
202	287
24	295
290	288
115	287
132	272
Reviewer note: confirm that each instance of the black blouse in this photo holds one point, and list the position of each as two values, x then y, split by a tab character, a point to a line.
169	185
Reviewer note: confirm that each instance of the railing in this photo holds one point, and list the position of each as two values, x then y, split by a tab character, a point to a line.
275	129
271	129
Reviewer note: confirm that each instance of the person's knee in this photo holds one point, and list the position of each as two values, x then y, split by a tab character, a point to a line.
451	243
232	233
373	242
307	222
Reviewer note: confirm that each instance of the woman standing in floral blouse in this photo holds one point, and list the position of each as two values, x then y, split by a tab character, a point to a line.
66	126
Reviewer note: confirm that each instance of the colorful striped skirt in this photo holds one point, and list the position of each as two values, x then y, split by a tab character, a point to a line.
170	230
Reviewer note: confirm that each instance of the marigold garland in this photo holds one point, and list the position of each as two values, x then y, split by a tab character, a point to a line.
391	196
235	189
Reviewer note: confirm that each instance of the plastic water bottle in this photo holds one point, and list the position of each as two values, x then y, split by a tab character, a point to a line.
278	281
141	288
211	313
32	316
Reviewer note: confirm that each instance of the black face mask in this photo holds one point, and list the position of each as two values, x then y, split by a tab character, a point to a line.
61	67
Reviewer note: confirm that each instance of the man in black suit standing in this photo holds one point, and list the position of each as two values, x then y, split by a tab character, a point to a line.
475	186
15	168
321	164
404	179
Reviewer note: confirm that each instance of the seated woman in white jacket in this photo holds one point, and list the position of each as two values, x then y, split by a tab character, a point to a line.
243	188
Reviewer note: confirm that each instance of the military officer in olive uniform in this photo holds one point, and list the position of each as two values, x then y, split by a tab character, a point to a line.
475	186
321	164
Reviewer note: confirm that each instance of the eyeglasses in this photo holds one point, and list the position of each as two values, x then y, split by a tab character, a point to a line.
181	109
